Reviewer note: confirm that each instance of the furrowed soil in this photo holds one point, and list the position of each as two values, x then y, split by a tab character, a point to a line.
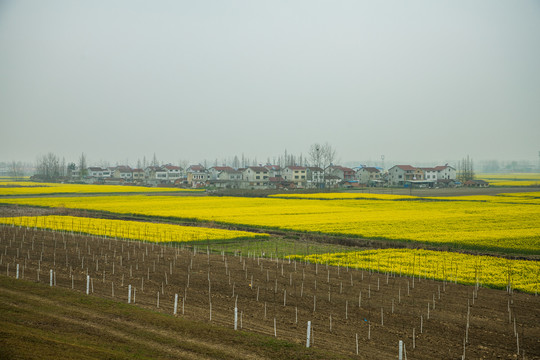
275	300
39	322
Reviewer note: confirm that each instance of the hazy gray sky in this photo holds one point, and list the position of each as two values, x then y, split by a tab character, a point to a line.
414	80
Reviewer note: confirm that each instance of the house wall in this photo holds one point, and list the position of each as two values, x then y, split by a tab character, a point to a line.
173	174
448	173
396	176
430	175
364	176
297	176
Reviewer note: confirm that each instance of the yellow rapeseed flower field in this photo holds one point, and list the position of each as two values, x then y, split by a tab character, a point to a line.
512	179
340	196
128	229
509	176
440	265
531	197
35	188
530	194
515	183
489	225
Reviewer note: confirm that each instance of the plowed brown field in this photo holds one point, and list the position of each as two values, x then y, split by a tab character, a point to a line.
380	309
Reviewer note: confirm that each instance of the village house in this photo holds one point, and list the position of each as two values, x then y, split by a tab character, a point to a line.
344	173
155	175
230	175
138	175
430	174
401	174
331	181
446	172
315	177
197	176
173	172
195	168
446	183
123	172
369	176
150	172
296	175
225	177
98	172
215	171
273	170
476	183
75	173
277	182
161	174
256	177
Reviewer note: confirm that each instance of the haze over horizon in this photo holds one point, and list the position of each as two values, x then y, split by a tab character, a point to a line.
419	80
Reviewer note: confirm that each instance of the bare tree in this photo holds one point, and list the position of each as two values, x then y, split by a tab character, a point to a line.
183	164
236	162
155	161
71	167
329	155
83	166
315	155
48	167
321	155
63	167
16	169
465	169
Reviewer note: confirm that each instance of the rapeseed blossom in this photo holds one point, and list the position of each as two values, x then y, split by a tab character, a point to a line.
128	229
440	265
499	223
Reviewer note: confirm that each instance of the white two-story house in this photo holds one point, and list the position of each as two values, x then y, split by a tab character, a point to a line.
315	177
369	175
256	177
99	172
173	172
400	174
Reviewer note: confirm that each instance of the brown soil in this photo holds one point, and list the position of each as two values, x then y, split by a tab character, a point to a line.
40	322
224	280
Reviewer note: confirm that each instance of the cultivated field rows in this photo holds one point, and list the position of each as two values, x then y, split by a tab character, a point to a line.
277	297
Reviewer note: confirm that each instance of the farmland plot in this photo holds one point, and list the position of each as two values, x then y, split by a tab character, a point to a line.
276	297
505	224
129	229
